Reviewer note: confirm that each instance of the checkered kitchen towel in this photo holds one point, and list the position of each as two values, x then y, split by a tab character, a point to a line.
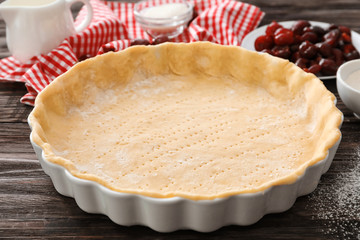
114	26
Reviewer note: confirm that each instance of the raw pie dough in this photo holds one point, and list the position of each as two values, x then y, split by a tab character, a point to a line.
199	121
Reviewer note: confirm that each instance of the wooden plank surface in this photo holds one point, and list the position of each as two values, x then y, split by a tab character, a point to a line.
30	208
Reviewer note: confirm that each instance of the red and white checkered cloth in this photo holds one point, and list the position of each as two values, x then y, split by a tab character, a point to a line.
113	26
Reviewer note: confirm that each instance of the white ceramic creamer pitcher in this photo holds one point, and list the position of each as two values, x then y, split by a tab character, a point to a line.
36	27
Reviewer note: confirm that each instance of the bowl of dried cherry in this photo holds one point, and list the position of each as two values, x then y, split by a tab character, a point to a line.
316	47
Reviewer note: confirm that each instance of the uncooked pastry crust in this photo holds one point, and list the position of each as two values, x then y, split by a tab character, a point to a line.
199	121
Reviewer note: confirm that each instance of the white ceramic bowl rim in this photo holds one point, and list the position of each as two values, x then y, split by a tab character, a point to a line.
344	72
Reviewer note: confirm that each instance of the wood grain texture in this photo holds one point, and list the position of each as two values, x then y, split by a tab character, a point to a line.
30	207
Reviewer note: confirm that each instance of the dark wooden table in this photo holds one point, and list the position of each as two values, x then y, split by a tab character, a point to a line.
30	208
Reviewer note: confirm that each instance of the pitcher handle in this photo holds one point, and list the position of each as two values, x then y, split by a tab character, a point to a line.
88	16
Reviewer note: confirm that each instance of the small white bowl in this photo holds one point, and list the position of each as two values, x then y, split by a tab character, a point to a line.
162	18
349	94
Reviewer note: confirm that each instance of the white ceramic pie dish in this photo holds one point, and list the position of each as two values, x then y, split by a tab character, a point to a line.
171	214
202	210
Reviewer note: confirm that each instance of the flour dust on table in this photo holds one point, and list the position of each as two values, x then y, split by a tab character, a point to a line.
338	203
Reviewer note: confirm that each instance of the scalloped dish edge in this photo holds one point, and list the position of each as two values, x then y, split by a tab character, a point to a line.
177	213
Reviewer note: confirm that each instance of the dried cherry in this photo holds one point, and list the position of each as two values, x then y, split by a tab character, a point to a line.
299	26
307	50
344	29
325	49
318	30
348	48
332	37
295	56
84	57
283	36
346	37
331	27
309	36
294	47
139	41
272	27
281	51
338	56
328	66
302	63
159	40
351	55
264	42
315	68
109	49
267	51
